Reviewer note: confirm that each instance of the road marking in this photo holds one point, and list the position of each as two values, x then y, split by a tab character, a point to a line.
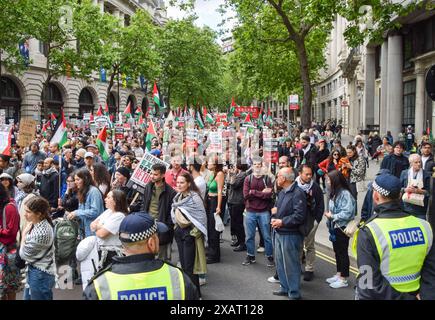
332	261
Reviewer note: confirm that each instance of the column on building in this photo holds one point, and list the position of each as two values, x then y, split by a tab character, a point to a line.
419	99
353	107
101	4
384	88
369	90
395	85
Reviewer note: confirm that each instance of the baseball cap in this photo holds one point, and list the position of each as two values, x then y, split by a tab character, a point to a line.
91	146
139	226
89	154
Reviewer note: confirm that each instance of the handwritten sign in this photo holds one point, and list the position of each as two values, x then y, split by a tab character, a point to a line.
27	132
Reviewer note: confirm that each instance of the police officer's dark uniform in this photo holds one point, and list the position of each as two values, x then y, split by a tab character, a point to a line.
140	277
394	250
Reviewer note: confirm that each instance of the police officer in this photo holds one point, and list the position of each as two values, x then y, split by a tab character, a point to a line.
392	248
138	275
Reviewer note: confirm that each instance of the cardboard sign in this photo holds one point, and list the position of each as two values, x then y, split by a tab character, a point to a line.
270	150
142	174
27	132
93	128
87	116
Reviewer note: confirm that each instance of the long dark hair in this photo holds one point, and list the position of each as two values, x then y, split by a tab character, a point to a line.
86	176
120	199
338	183
5	197
331	156
355	152
189	179
38	204
102	176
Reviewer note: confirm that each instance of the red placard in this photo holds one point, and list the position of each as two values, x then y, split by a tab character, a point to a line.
254	111
221	117
271	157
294	106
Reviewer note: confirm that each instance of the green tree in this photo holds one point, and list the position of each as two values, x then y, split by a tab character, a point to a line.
131	50
191	63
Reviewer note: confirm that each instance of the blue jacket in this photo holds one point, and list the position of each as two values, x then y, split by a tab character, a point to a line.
411	208
292	209
91	209
342	208
367	208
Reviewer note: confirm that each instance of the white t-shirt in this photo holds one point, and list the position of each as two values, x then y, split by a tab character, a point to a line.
111	222
424	160
202	186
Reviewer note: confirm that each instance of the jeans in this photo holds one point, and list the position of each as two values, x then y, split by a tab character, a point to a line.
263	219
288	248
40	285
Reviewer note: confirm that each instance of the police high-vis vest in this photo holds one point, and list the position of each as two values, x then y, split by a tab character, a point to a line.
166	283
402	245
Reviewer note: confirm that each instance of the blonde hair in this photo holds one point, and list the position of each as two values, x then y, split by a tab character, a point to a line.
414	157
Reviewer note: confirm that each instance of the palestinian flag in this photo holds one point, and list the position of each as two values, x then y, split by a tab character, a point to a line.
45	128
99	111
140	121
53	117
106	110
60	135
199	120
6	147
156	96
91	118
204	111
102	145
248	118
232	108
209	118
151	133
127	110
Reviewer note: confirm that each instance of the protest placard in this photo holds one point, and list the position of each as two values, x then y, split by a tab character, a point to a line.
119	132
27	132
5	139
215	142
142	174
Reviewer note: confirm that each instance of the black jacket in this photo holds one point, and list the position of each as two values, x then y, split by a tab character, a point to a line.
367	255
311	157
235	192
292	209
138	264
316	201
430	164
395	164
320	156
49	188
165	203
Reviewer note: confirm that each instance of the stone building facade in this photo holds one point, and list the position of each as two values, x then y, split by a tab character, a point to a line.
21	95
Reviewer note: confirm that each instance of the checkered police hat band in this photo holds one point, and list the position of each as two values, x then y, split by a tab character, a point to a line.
135	237
381	190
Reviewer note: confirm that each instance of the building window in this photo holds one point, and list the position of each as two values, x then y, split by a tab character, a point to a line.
323	90
409	103
43	48
378	62
126	20
329	87
408	52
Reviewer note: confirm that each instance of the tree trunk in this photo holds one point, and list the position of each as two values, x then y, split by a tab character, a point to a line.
169	98
109	87
306	82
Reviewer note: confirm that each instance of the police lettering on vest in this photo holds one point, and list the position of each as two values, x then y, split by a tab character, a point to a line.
406	237
144	294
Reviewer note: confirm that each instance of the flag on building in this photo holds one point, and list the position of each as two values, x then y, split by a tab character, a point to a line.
102	144
103	75
151	134
199	120
60	133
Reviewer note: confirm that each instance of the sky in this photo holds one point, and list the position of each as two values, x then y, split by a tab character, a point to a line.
206	12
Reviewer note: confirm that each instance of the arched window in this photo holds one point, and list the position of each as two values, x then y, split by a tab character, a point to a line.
86	103
53	99
112	104
145	106
131	99
10	98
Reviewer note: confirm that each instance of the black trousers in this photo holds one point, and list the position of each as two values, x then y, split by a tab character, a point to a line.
341	247
354	192
237	228
186	250
214	249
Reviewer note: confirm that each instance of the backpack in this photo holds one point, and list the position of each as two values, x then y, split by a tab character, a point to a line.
65	240
308	225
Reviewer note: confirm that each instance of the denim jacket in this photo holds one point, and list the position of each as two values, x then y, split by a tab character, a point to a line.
343	208
91	209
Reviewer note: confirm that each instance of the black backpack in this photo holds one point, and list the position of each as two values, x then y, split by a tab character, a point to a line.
308	225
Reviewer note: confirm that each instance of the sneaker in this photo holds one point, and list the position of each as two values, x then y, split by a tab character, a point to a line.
333	279
340	283
240	248
202	281
270	262
249	260
260	249
272	280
